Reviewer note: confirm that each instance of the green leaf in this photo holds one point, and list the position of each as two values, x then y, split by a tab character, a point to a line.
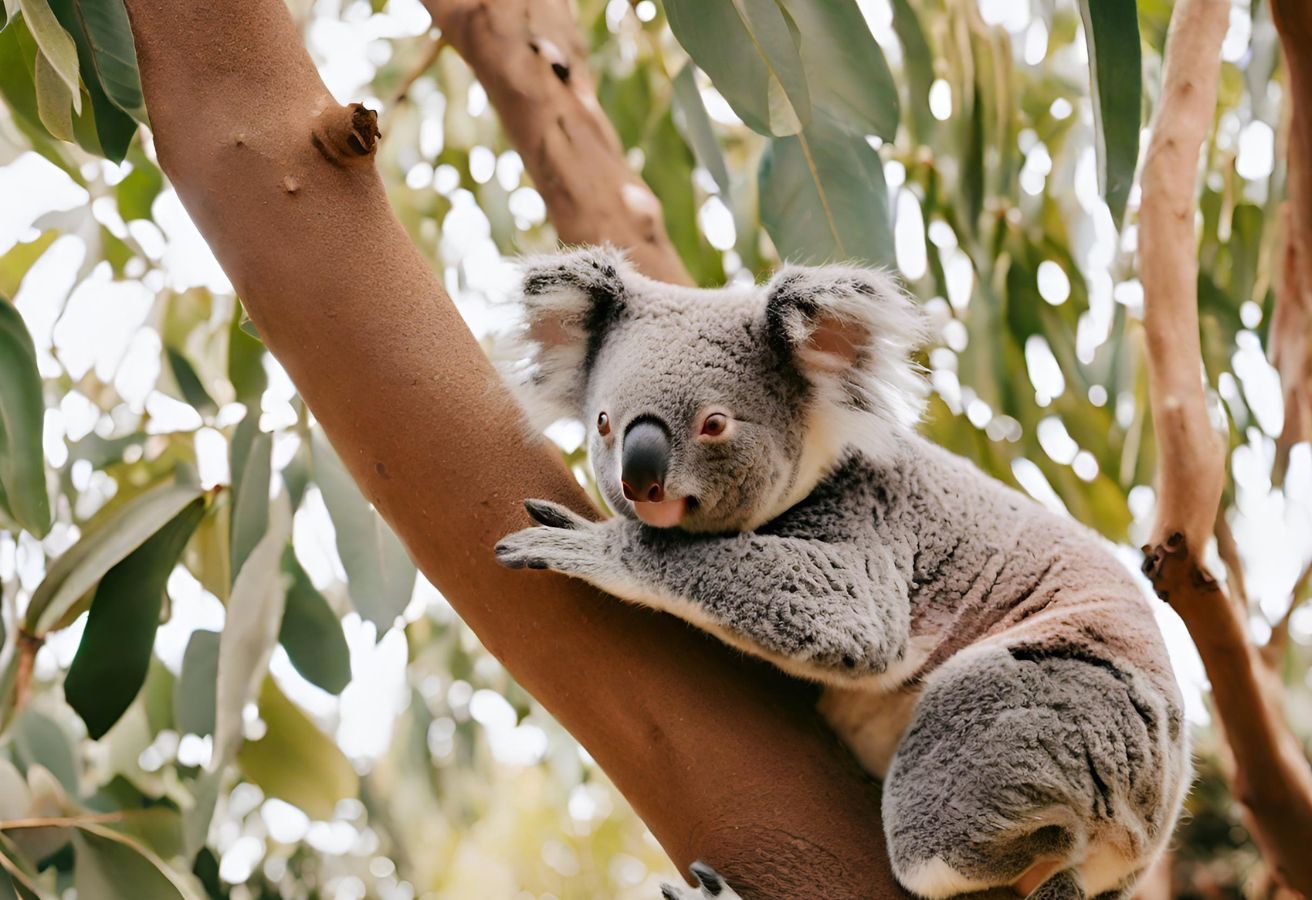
750	50
15	799
917	68
380	575
194	696
668	170
189	383
18	52
251	464
105	542
54	101
696	127
250	632
112	866
40	741
15	264
107	55
295	761
823	197
109	71
627	104
22	417
846	72
112	660
245	363
1111	30
55	44
138	189
311	633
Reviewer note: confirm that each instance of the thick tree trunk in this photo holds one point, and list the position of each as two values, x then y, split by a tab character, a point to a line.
724	760
1272	778
528	56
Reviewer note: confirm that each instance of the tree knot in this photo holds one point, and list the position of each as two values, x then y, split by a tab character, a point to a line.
348	135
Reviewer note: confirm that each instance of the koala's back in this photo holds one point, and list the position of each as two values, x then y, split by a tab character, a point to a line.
1034	708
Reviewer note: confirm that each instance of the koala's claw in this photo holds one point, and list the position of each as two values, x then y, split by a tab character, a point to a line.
710	886
553	515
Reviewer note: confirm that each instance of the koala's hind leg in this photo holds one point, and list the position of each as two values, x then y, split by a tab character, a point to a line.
1019	761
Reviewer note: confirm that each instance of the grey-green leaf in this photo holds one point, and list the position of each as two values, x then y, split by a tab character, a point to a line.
311	633
105	542
750	50
1111	30
380	574
250	632
114	655
193	698
103	35
55	43
823	197
22	415
696	127
251	466
112	866
846	72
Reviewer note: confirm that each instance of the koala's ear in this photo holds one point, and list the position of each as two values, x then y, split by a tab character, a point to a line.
850	331
569	301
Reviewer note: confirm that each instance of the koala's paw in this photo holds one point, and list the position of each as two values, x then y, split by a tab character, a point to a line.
710	886
565	542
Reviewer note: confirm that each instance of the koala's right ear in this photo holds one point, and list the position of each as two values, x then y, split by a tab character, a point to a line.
570	300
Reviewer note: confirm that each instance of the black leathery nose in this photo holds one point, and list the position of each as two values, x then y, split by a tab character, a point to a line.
645	461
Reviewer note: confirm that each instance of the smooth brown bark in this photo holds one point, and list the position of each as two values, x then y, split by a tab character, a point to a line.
528	56
723	759
1271	776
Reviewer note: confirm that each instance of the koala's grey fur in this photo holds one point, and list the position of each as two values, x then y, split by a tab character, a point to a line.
992	662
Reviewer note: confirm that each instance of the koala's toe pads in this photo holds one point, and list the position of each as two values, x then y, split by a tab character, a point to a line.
710	886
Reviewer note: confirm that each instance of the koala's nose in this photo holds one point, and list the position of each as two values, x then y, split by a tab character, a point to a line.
645	461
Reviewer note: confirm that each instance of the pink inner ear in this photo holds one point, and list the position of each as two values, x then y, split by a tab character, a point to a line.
551	331
833	345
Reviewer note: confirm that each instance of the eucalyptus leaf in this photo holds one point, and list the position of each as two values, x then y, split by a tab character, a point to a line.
823	197
251	471
250	632
54	101
114	655
112	866
917	68
295	761
22	419
846	72
750	50
1111	30
105	542
189	383
56	44
696	126
194	696
380	574
106	53
311	633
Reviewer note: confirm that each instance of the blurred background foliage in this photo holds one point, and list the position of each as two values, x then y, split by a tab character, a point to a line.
221	675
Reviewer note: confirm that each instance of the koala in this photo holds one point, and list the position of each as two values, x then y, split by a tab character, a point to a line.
992	663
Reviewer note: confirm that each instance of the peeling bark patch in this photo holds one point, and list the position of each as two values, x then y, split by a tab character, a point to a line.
381	470
290	184
552	54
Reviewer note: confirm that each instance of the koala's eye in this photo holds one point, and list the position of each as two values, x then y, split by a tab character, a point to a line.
715	425
603	424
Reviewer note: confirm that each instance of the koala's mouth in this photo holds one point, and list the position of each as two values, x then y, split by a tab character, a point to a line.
664	513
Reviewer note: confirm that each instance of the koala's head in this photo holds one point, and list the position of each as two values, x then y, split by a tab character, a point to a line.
716	410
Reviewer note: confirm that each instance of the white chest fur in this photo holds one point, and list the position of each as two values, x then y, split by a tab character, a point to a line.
870	724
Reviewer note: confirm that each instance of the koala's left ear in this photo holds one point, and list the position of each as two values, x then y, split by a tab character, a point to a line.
850	328
570	300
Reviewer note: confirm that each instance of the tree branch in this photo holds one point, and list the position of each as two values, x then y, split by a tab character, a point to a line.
1272	778
723	759
528	57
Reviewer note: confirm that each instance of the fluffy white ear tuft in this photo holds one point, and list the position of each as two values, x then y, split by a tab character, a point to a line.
569	300
850	332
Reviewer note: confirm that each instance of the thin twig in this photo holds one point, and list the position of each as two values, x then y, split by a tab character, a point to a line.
64	821
402	92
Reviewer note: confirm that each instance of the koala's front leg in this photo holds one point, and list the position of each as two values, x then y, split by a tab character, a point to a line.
820	610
